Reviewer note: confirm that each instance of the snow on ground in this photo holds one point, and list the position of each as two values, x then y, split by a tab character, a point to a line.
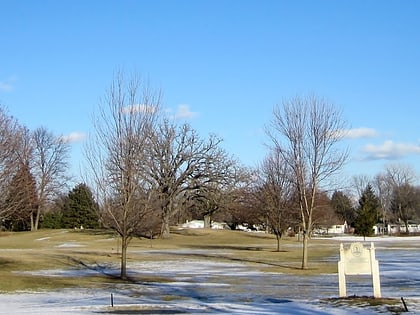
195	284
83	301
68	245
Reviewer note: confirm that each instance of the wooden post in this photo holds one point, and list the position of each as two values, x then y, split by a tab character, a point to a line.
375	273
341	274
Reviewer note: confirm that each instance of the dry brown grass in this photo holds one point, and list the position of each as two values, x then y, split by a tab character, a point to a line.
67	249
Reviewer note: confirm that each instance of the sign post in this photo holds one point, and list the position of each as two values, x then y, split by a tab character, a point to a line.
358	260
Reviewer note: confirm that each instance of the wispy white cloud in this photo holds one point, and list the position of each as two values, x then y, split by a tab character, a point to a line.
73	137
4	86
390	150
184	112
7	85
357	133
139	108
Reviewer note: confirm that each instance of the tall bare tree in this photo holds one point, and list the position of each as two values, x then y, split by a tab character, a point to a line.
383	187
49	167
117	159
181	161
306	132
275	193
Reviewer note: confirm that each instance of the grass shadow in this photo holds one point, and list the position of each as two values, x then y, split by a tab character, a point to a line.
95	232
145	311
230	258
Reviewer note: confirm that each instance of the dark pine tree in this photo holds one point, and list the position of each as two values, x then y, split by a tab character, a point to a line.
367	212
343	207
80	209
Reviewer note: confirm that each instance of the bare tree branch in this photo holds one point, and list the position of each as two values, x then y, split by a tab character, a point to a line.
306	133
49	167
116	157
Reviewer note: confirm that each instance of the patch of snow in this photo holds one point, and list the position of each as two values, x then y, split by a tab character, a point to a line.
83	302
199	224
385	238
69	245
43	238
194	224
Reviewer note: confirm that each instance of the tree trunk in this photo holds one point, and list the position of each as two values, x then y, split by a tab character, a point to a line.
38	214
165	229
124	245
406	227
35	215
207	221
305	250
32	222
278	237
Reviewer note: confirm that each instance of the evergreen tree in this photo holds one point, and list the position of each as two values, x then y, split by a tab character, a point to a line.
342	205
80	209
367	212
52	220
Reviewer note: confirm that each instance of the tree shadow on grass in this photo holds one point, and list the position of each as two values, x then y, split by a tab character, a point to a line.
95	232
235	259
5	262
153	311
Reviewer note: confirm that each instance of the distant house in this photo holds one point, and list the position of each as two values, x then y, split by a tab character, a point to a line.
397	228
199	224
413	227
332	229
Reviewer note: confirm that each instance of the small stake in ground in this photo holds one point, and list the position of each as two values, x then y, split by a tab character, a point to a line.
405	305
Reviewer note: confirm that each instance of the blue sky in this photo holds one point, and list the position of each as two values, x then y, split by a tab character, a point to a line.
224	64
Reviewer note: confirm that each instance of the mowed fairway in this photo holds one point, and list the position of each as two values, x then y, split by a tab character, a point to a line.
24	253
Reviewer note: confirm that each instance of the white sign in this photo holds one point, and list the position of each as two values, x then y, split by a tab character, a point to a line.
358	260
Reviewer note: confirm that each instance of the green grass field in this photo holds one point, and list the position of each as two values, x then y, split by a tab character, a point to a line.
21	253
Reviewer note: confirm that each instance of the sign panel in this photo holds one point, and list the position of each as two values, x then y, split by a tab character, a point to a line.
357	260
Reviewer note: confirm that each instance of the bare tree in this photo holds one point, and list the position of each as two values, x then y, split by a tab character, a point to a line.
10	147
325	215
117	158
383	187
359	183
245	206
179	161
403	202
400	174
49	167
209	197
306	132
275	193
